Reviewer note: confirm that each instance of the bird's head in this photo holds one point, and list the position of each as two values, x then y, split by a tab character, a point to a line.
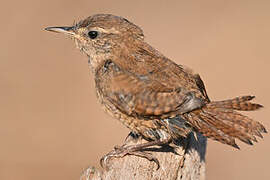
100	35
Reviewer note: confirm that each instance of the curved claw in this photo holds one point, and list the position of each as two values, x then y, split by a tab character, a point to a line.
118	152
103	162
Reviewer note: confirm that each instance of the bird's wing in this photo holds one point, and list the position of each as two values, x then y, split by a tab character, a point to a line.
145	95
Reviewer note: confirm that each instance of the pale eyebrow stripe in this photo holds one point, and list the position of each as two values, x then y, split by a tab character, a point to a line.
112	30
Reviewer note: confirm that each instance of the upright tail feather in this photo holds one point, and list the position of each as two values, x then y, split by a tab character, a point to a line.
240	103
219	120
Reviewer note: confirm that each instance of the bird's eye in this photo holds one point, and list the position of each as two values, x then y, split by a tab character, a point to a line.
92	34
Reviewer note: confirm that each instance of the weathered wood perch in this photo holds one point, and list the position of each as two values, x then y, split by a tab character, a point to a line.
189	165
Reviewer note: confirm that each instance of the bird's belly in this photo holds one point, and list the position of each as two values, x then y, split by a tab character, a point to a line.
150	129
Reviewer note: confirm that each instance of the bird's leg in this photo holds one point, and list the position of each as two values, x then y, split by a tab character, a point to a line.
135	150
132	138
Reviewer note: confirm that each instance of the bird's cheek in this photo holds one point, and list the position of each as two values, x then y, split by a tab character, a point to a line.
80	39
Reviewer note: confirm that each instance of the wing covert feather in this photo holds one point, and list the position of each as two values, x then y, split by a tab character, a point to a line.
145	96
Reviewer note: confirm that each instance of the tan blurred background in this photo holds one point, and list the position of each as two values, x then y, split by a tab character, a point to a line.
51	126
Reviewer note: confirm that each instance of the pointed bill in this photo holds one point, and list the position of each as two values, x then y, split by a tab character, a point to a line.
63	30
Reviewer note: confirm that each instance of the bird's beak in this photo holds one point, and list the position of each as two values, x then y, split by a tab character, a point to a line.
63	30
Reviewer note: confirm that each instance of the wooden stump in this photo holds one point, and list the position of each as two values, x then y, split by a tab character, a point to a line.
175	164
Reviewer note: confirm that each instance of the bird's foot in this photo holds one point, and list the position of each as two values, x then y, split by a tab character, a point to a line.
121	151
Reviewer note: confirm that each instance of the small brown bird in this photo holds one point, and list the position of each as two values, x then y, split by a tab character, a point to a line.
154	97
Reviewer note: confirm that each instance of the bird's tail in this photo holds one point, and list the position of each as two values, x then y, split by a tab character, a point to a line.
219	120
